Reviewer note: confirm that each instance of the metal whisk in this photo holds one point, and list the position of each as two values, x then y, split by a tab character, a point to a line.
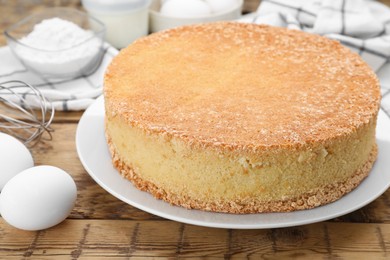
24	112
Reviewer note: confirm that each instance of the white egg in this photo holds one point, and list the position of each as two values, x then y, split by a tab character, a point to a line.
38	198
185	8
14	158
218	6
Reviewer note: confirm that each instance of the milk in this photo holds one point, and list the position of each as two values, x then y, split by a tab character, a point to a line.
125	20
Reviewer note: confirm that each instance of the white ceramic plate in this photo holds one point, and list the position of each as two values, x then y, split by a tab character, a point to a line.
94	155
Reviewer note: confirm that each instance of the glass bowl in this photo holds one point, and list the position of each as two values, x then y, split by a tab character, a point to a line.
81	58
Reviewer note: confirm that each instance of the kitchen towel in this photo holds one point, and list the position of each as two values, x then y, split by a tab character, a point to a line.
65	95
361	25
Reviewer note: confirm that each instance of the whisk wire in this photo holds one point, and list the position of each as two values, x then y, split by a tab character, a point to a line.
26	113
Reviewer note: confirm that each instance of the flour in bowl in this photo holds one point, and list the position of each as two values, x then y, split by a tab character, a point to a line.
56	46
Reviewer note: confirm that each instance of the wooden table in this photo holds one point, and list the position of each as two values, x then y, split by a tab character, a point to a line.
100	225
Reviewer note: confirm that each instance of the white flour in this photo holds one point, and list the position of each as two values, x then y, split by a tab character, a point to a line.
55	48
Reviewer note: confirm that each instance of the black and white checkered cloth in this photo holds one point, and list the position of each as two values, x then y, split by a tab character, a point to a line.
65	95
361	25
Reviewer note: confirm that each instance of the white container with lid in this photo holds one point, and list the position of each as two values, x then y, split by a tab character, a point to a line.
125	20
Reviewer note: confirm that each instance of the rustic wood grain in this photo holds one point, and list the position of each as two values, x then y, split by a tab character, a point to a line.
101	226
61	152
112	238
250	6
60	116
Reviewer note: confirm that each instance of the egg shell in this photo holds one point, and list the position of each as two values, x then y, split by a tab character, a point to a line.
14	158
185	9
38	198
218	6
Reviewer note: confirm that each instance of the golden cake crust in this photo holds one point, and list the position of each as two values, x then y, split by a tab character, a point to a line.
241	118
317	197
205	107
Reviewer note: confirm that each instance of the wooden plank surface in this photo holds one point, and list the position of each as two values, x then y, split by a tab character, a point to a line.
101	226
90	238
62	151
